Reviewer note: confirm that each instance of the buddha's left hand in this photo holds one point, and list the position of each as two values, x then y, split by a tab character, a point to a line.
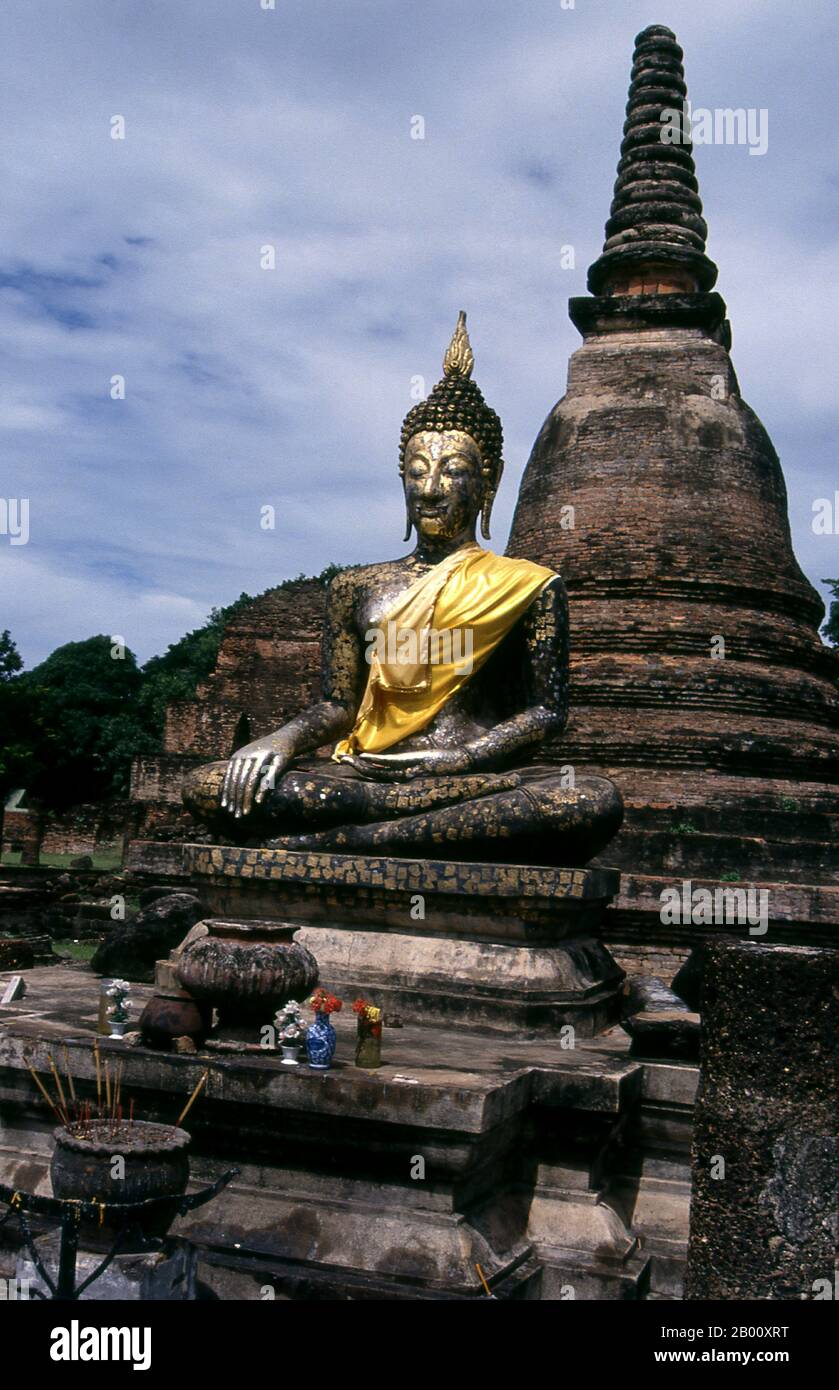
398	767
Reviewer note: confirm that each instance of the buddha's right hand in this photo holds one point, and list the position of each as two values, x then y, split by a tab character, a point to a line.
251	772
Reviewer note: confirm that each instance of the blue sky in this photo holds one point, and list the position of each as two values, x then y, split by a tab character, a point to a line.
248	387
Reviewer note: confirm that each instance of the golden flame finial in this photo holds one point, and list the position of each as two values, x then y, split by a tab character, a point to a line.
459	359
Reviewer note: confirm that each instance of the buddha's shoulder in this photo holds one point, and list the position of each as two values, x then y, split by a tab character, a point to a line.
357	579
547	581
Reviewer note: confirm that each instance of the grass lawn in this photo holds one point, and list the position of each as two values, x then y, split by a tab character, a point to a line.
74	950
105	859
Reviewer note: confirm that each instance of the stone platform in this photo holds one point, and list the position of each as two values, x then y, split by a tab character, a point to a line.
555	1168
502	947
800	913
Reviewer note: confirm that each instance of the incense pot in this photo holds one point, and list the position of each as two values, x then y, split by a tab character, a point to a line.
155	1164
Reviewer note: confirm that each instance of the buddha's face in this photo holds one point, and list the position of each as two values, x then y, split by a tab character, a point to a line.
444	484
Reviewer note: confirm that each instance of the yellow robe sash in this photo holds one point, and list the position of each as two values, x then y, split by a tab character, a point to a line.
439	632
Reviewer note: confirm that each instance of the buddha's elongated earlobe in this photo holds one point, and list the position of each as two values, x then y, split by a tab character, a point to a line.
489	497
408	524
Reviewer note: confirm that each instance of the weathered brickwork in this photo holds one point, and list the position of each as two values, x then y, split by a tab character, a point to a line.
22	831
268	668
81	830
699	681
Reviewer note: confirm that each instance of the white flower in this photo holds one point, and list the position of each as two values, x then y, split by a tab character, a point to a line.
289	1014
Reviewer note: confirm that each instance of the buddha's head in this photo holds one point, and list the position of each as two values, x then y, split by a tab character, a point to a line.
450	454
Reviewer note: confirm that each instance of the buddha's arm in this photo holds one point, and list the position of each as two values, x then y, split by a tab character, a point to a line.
546	645
253	770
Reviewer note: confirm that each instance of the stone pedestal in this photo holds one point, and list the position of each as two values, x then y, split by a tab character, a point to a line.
497	947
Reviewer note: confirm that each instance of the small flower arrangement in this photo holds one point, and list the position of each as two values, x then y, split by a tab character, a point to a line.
324	1003
370	1015
290	1024
368	1049
117	992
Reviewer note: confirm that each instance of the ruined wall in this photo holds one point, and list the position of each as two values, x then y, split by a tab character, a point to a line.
268	668
21	830
81	830
84	828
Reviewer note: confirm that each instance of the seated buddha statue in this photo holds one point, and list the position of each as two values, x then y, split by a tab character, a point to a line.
443	674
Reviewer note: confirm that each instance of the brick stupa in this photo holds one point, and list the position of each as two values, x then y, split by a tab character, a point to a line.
727	753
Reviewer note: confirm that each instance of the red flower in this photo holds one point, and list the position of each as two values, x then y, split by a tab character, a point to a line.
324	1003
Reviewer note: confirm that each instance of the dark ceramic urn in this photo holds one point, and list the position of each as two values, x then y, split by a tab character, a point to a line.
155	1163
172	1015
247	970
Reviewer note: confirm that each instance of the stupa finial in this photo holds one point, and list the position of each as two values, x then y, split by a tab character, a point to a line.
655	235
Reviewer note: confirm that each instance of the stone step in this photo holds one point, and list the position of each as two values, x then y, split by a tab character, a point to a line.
802	914
785	819
686	851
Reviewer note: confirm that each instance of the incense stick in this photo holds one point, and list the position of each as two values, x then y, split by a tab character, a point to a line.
69	1076
47	1097
192	1098
62	1103
98	1078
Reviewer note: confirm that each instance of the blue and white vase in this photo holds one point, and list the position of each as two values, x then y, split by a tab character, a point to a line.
320	1042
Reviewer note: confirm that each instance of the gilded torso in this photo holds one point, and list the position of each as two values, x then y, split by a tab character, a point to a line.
498	690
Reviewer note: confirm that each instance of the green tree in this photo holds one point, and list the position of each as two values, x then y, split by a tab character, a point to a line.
70	727
86	698
10	659
20	722
831	626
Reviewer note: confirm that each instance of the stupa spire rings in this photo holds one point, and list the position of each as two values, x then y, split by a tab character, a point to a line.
655	235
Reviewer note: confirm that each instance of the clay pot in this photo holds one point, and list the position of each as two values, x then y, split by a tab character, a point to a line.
173	1014
156	1165
247	970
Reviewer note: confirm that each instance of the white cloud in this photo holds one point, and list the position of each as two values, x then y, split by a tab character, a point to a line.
244	386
